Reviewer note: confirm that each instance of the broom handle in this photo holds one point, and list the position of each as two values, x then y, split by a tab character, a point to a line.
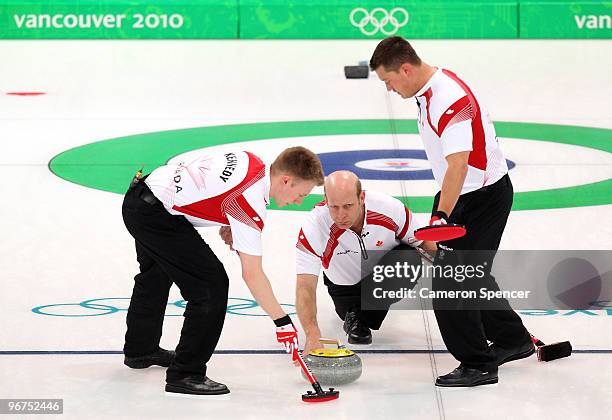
305	368
311	378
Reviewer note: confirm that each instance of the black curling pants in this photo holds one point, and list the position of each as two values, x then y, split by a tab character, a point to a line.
170	250
349	298
465	332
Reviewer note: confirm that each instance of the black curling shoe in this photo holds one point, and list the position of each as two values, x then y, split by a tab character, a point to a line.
196	385
464	376
357	332
160	358
505	355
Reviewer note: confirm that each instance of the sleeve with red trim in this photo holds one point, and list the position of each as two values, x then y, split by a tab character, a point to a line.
457	138
415	223
455	127
307	261
245	239
408	223
247	222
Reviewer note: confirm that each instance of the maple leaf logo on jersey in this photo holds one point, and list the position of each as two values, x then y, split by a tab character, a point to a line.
197	171
379	243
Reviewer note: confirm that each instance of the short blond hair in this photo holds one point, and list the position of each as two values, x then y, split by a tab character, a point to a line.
299	162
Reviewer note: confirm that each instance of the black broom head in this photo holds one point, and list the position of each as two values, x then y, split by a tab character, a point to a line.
554	351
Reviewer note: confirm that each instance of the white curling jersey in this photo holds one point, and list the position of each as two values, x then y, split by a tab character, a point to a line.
321	243
231	188
451	120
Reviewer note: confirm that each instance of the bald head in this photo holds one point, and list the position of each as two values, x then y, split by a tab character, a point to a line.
343	182
344	199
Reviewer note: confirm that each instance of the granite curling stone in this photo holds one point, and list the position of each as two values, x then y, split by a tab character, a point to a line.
334	366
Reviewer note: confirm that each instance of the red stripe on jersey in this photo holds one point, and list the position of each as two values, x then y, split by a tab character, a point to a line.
374	218
406	223
334	233
428	94
457	112
215	209
478	155
321	203
303	244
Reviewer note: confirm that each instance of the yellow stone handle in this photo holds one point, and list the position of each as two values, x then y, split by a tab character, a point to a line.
330	341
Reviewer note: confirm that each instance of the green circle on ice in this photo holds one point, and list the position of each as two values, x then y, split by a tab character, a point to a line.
109	165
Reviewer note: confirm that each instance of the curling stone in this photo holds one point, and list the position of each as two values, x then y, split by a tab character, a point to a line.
333	366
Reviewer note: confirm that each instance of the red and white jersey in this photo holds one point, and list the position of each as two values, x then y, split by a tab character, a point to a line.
321	243
451	120
230	188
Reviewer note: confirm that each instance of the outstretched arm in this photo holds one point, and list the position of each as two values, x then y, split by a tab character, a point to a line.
306	304
259	285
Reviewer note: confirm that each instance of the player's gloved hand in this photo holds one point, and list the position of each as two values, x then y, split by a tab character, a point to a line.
438	218
287	335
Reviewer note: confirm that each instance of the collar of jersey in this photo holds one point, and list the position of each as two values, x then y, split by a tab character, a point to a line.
427	85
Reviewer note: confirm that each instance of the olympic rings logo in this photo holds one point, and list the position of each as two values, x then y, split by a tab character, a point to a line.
108	306
379	19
